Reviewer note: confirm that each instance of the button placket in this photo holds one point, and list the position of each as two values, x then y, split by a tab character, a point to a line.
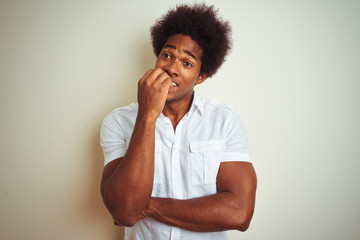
175	171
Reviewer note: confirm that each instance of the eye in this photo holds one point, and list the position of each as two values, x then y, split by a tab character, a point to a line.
188	64
166	55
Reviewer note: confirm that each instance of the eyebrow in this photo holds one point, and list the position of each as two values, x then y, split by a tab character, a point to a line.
185	51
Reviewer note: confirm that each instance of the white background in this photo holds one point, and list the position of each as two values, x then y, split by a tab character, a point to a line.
293	76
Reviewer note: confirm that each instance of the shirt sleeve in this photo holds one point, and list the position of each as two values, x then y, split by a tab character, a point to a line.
112	139
236	144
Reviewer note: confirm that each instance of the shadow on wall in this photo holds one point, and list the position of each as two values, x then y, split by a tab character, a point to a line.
146	60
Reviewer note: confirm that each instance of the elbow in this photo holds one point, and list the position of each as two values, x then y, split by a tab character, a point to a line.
243	227
125	220
121	213
240	221
123	216
241	224
242	216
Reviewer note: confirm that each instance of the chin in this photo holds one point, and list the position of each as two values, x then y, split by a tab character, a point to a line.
171	98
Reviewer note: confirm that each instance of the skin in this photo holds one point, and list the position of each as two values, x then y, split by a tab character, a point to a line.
127	182
180	59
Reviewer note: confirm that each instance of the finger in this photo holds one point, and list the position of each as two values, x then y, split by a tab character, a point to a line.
154	75
166	85
162	77
146	75
167	82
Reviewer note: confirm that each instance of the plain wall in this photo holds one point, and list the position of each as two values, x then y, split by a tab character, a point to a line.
293	76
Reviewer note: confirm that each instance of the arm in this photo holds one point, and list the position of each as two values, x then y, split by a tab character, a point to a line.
231	207
127	182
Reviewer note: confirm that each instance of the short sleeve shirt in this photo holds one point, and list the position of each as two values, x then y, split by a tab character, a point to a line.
187	159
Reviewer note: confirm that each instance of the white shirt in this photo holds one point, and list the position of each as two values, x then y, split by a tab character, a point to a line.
187	160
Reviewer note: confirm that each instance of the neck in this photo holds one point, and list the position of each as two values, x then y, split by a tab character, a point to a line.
175	110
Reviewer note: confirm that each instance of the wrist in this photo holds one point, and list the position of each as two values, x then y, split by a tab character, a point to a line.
150	210
146	120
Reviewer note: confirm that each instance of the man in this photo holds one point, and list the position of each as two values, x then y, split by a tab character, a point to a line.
176	165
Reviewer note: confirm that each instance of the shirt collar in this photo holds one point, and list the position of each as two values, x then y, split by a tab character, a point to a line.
197	103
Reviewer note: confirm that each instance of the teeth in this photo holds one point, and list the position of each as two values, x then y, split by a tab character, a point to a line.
174	84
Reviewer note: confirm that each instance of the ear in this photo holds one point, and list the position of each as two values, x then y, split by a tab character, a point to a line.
201	78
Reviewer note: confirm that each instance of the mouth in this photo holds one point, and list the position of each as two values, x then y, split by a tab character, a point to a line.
174	84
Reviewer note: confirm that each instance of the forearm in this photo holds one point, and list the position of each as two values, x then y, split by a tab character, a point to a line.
218	212
128	189
127	183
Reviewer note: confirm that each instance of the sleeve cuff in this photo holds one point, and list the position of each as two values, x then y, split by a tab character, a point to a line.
240	157
114	155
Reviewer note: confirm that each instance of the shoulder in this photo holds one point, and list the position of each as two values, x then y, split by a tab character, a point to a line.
214	106
128	112
132	108
220	112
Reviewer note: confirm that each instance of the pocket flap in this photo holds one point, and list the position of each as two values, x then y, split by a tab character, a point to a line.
207	146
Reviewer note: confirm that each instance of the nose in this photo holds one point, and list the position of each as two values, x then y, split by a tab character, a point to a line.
172	68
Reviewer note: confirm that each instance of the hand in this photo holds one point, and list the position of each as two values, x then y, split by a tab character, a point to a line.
153	89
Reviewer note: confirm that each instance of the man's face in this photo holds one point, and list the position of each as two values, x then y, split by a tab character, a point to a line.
180	58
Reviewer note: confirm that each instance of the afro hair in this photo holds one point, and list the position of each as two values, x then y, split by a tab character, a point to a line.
200	22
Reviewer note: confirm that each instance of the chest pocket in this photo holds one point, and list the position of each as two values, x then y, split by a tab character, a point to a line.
205	161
